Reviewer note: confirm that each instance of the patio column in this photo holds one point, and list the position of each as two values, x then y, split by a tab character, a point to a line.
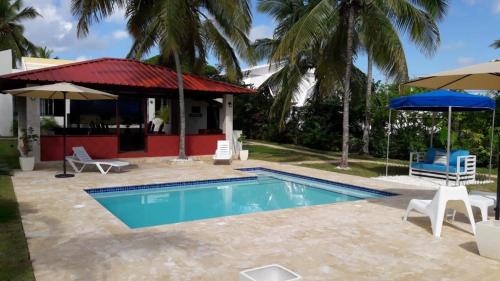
28	115
227	120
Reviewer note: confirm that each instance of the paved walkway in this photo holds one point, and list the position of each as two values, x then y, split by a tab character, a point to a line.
72	237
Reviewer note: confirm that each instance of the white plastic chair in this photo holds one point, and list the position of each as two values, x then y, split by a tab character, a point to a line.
483	201
223	152
80	156
435	209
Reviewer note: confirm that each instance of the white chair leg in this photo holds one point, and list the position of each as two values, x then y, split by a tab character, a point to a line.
109	169
451	216
408	210
101	169
72	164
437	221
470	215
81	169
484	213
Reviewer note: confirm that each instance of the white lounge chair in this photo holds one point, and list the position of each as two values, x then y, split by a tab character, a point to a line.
223	152
435	209
80	156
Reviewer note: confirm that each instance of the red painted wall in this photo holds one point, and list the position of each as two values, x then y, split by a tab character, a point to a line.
100	147
202	144
97	146
162	146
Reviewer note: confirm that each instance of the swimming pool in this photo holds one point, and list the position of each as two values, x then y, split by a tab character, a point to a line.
151	205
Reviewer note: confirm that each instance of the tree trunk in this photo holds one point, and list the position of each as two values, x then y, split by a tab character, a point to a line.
347	89
366	128
182	114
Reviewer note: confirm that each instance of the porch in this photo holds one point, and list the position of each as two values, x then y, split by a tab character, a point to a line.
143	122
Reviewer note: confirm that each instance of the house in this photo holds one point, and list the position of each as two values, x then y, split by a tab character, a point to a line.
257	75
124	128
6	101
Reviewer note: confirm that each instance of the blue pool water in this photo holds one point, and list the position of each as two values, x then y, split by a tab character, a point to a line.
164	204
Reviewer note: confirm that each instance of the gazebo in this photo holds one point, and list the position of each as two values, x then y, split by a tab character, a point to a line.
443	101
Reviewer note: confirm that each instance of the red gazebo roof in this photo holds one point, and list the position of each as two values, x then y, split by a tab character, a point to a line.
123	72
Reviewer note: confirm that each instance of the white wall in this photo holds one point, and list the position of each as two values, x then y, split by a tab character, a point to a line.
194	123
6	104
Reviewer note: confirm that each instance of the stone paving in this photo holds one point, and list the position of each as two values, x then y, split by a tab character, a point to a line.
72	237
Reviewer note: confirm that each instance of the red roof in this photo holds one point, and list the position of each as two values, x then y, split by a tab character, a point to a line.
124	72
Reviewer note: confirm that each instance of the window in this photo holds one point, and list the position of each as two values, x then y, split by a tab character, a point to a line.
92	117
195	111
51	107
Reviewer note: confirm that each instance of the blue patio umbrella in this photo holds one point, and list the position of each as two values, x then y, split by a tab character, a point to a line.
443	101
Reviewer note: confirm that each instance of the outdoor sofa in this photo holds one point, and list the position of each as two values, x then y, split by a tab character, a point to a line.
433	164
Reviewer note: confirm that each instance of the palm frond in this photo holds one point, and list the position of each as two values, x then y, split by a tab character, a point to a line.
496	44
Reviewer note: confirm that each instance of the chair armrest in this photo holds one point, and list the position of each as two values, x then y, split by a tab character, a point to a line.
418	156
469	163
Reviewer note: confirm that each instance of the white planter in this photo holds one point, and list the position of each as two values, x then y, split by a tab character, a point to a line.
487	235
272	272
27	163
243	155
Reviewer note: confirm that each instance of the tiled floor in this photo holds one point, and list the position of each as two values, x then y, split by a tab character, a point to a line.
71	237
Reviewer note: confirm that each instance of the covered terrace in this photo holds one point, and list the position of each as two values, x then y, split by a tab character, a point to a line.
142	123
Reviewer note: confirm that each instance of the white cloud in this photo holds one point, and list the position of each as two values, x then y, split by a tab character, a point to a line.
260	31
496	7
120	34
454	45
465	60
82	58
117	16
56	29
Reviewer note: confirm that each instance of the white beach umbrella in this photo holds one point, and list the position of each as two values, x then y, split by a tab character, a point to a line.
62	91
483	76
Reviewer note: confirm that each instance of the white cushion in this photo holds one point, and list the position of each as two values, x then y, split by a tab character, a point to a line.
440	158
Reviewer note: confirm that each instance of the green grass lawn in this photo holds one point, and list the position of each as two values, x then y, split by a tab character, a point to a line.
363	169
260	152
360	169
15	262
8	152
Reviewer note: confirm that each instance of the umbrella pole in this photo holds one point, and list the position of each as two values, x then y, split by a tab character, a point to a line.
448	145
388	142
491	143
497	208
432	128
64	174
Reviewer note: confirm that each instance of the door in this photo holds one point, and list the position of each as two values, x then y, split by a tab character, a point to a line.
131	117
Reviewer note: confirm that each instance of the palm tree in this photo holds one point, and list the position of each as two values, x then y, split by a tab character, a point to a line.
12	37
334	29
181	29
496	44
44	52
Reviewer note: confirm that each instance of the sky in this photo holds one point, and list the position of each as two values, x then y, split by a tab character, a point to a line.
467	30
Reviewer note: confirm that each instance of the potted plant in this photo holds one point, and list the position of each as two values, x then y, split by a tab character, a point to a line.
243	152
27	160
48	125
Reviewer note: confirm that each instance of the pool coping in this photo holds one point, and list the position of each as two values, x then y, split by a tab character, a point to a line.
171	185
346	185
166	185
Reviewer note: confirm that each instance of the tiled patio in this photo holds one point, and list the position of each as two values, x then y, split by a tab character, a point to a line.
71	237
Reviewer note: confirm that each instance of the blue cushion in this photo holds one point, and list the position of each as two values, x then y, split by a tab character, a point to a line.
454	154
429	155
435	167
